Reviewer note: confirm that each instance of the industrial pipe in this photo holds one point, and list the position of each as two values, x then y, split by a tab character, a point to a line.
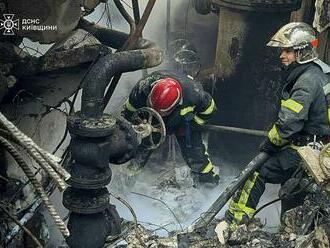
99	138
234	130
209	215
126	16
105	68
130	44
136	11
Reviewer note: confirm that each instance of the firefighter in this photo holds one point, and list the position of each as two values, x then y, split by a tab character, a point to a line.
183	105
303	118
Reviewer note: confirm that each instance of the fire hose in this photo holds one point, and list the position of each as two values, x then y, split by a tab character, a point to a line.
234	130
218	204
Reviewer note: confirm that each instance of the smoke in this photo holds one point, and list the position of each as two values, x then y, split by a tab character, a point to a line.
172	183
154	30
169	180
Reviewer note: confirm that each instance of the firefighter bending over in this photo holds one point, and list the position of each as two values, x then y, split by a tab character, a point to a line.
303	118
183	105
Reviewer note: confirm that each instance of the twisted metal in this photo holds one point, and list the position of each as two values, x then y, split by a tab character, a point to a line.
26	230
46	160
37	185
43	164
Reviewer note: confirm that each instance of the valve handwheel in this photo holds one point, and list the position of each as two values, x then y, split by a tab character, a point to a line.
151	126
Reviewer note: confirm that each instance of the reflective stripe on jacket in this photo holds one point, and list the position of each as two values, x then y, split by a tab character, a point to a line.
303	108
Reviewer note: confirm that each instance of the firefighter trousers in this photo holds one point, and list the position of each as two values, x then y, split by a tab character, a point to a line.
276	170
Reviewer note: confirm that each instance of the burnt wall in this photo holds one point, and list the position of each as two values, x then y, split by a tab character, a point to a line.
249	79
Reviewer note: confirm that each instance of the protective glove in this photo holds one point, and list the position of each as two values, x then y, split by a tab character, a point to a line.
268	147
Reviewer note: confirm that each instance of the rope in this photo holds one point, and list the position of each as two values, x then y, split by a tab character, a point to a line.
38	187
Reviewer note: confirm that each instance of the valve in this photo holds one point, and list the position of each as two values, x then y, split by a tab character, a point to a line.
149	125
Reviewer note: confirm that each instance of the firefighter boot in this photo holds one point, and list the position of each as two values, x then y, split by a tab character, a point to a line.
210	179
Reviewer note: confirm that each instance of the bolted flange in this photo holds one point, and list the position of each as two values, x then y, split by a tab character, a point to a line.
84	201
86	177
89	127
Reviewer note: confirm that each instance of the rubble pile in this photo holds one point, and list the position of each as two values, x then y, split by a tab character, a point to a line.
301	227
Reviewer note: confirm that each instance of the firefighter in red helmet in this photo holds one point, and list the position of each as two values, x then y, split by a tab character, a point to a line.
183	104
165	95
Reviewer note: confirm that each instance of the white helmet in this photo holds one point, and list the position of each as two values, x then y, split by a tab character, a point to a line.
299	36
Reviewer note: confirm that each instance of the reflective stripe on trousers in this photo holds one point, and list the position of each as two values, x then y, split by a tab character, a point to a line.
245	201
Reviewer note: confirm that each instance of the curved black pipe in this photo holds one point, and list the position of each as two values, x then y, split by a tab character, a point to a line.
105	68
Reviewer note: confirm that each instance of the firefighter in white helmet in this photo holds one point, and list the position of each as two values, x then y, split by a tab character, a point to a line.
303	117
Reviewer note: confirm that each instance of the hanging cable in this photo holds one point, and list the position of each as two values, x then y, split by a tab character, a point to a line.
265	205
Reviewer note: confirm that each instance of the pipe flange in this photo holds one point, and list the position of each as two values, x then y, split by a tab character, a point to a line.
90	127
86	201
83	177
260	5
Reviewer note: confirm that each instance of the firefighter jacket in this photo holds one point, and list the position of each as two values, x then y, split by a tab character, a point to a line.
196	107
303	111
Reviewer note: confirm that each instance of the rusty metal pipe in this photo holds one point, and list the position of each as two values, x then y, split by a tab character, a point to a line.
114	64
131	43
136	11
126	16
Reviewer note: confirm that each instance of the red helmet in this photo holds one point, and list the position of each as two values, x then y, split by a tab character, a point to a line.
165	95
